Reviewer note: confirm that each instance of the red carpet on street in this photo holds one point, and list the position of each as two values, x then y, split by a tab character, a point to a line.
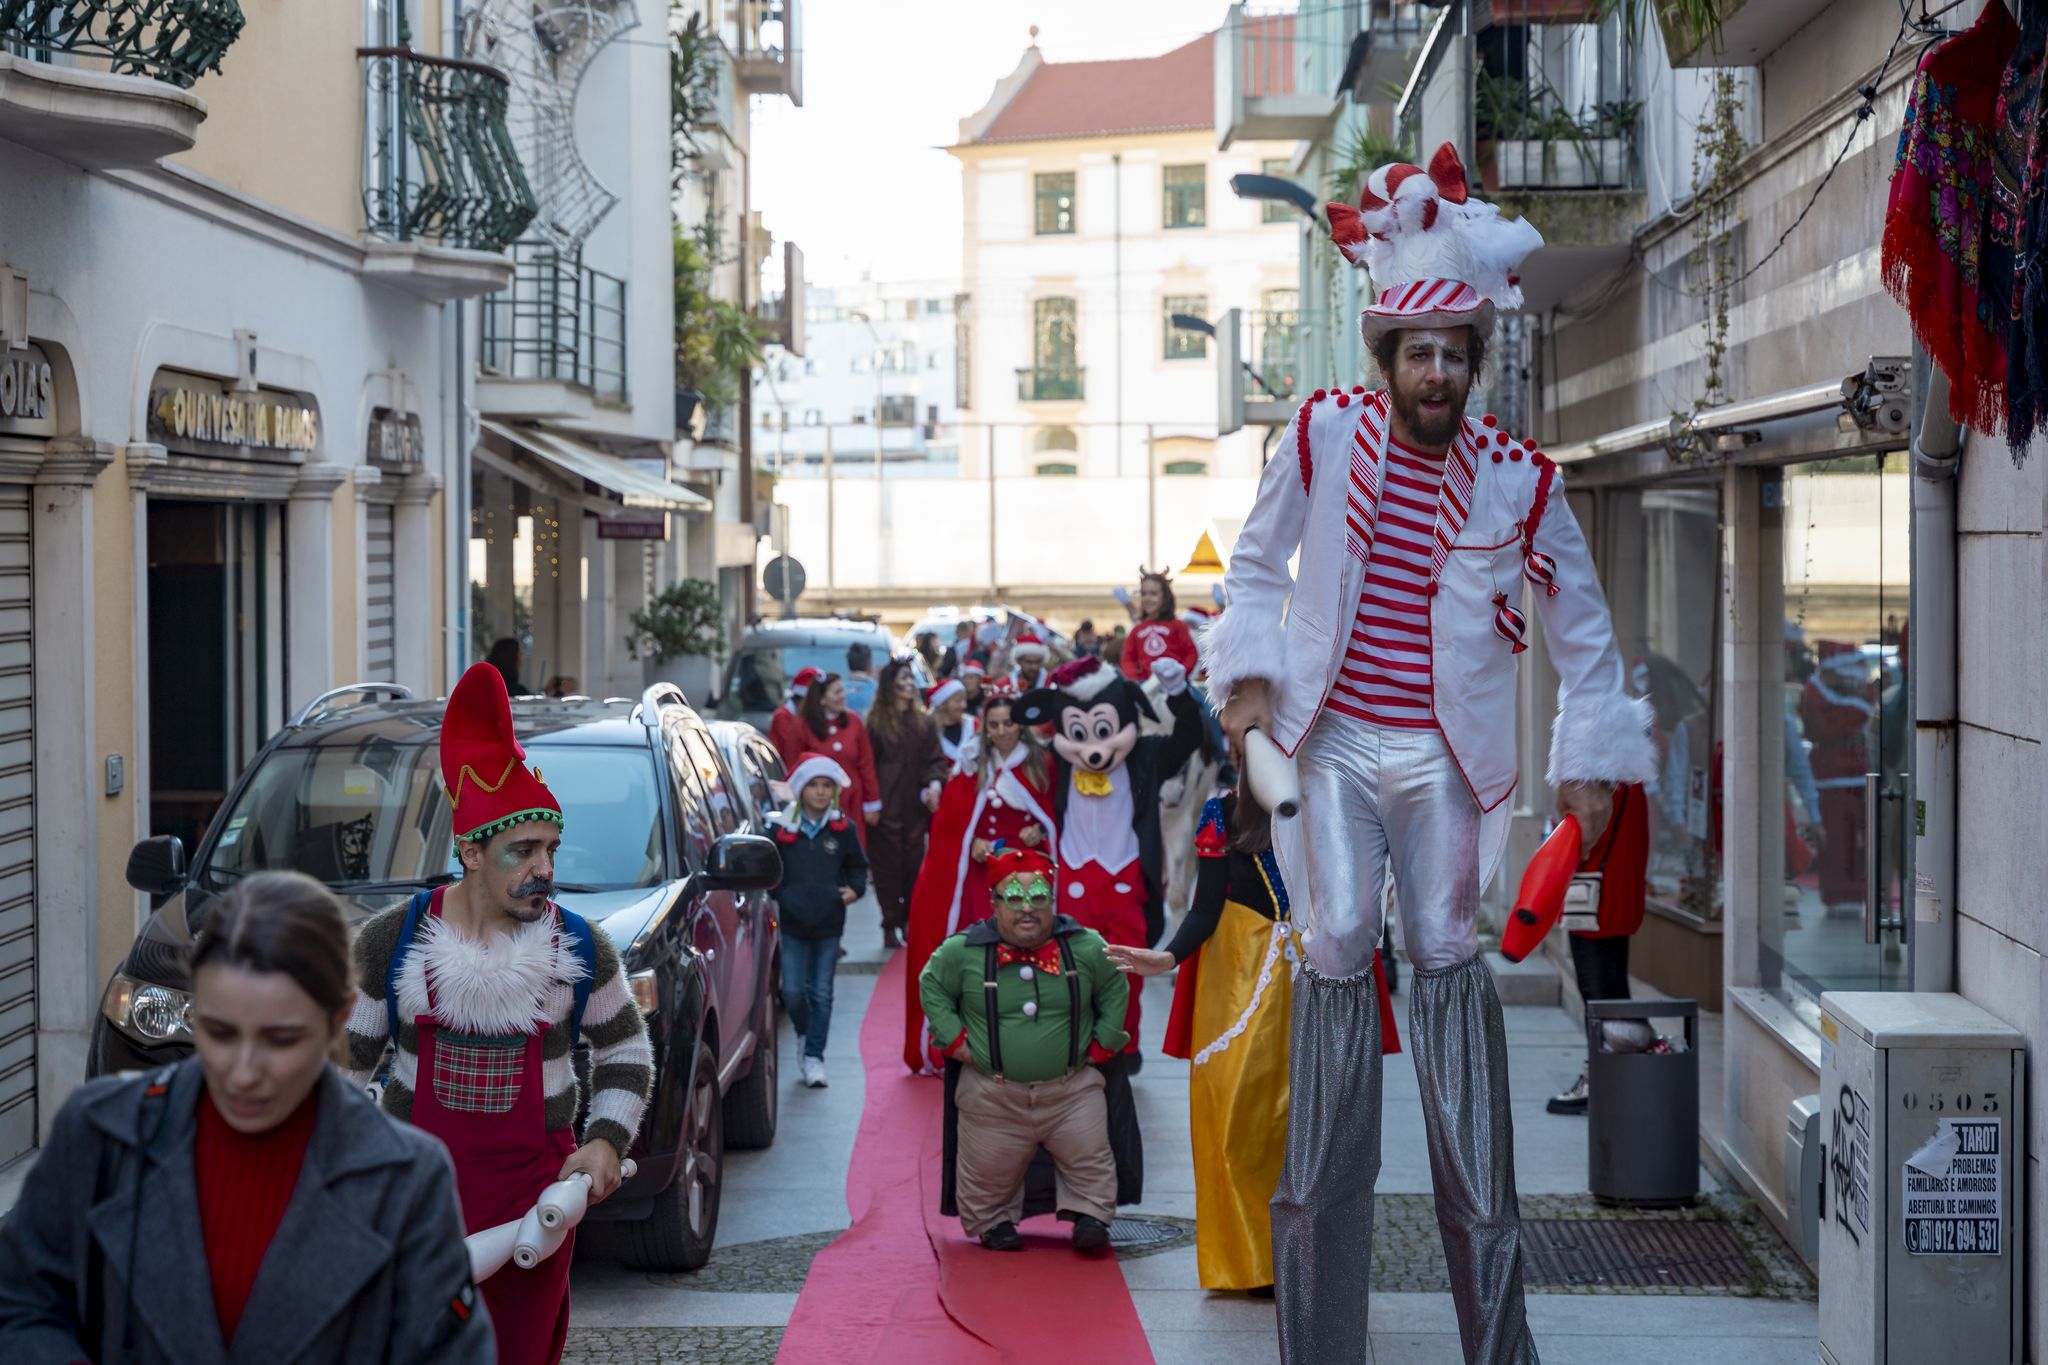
905	1284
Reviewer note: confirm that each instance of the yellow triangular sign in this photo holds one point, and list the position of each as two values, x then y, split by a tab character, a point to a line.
1205	560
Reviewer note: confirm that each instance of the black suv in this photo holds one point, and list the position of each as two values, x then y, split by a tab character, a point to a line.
350	793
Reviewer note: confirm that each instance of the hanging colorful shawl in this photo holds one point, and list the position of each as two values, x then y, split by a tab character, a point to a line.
1934	219
2023	135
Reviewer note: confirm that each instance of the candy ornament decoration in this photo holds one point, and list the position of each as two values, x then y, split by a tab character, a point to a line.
1509	623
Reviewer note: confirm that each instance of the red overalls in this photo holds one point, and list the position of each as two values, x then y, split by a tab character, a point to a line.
482	1097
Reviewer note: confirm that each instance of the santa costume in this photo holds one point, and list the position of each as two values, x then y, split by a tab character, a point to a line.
1028	652
1837	708
1414	567
846	743
956	742
785	729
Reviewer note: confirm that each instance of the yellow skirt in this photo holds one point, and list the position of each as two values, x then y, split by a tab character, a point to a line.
1237	1094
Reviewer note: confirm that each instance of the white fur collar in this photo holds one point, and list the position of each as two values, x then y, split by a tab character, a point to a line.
505	983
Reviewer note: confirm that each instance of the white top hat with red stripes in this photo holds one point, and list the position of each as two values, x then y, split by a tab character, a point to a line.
1437	256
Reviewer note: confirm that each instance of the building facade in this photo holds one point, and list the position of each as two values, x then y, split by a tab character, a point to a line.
1830	632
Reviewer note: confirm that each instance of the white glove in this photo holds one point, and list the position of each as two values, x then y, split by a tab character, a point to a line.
1122	595
1171	674
1216	592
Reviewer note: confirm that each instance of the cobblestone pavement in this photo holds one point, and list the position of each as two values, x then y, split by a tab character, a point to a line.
639	1345
774	1266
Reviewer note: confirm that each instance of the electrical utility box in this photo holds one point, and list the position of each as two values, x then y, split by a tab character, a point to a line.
1923	1113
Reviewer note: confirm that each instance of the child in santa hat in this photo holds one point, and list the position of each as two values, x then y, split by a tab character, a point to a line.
823	872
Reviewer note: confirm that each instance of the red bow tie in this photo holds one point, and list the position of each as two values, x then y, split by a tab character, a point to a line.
1046	958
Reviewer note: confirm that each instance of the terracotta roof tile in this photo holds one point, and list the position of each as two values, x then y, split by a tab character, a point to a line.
1173	92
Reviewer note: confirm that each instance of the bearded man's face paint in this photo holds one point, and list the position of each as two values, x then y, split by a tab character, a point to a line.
1431	380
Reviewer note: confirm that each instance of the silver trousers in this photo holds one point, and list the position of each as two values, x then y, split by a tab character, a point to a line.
1374	799
1378	800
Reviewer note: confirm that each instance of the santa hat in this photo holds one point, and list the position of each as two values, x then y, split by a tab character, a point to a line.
938	694
1437	256
1017	861
801	683
813	767
1842	656
1029	646
973	667
489	786
1084	679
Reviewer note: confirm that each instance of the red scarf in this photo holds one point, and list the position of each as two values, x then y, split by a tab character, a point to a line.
1934	220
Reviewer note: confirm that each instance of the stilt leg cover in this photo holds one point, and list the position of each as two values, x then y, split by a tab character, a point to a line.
1461	1063
1322	1207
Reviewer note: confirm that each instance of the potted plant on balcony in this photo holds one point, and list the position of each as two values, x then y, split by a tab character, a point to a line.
1540	144
716	347
680	635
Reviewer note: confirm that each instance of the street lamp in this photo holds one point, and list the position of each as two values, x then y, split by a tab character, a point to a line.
1188	322
1272	187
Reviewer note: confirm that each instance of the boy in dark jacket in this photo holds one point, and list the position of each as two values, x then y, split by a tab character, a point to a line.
823	872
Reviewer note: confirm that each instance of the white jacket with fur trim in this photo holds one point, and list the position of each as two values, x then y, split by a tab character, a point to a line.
1601	733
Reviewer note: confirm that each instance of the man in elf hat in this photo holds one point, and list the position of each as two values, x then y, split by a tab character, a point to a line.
486	984
1392	682
786	728
1027	1002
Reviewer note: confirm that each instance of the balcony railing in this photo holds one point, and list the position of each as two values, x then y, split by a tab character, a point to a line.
174	41
560	320
1275	77
1557	115
1383	50
766	38
440	165
1051	384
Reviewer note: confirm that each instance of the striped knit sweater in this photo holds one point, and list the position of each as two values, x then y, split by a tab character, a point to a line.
511	984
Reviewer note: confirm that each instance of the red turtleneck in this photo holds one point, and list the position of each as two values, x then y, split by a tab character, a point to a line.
245	1183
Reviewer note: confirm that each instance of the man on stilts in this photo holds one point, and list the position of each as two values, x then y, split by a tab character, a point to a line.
1392	682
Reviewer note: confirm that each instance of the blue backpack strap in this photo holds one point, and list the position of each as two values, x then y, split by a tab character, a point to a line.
420	901
586	952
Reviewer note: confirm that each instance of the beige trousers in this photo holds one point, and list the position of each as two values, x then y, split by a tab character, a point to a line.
1002	1124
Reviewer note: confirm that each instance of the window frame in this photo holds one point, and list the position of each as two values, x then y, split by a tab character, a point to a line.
1275	210
1174	208
1178	344
1043	196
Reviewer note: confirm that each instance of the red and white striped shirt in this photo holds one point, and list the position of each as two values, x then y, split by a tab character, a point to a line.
1385	678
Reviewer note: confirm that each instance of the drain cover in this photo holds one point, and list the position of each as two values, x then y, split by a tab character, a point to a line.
1571	1251
1149	1234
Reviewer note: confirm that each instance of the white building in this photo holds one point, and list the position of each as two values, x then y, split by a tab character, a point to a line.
869	347
1097	206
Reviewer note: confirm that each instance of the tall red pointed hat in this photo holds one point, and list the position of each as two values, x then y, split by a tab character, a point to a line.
482	764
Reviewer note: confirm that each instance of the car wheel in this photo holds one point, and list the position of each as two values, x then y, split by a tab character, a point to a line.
754	1102
679	1233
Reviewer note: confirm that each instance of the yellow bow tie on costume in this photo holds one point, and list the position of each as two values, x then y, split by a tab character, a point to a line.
1090	783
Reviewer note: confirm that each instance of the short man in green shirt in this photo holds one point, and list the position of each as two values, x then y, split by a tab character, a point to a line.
1026	1001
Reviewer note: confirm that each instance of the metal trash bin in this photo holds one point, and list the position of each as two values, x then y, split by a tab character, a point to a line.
1643	1110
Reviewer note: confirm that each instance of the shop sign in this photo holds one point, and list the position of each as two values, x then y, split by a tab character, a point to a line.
28	393
397	440
184	413
633	528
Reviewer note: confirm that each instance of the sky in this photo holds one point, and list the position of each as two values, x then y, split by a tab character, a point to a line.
857	177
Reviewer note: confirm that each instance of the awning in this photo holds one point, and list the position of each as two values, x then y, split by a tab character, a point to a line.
614	479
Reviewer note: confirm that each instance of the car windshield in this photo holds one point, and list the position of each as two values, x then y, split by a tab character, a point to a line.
761	673
375	815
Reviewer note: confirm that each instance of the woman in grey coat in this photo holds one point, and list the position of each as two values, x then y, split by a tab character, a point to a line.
246	1204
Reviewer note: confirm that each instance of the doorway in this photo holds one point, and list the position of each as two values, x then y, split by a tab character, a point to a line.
216	660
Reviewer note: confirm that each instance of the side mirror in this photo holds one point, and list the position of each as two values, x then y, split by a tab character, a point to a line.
744	862
157	865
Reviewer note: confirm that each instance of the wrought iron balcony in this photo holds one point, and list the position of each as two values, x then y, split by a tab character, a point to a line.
561	320
174	41
439	164
1051	384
